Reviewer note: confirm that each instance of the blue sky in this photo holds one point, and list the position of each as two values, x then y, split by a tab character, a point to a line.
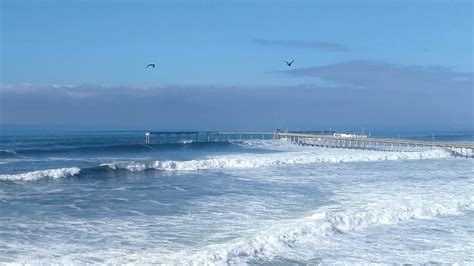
79	52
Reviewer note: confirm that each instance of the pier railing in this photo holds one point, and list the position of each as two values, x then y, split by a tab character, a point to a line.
313	138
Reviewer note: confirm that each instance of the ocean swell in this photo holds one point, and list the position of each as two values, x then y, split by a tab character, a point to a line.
7	153
36	175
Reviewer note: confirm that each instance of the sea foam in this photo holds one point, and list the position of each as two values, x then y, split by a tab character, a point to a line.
267	243
316	155
35	175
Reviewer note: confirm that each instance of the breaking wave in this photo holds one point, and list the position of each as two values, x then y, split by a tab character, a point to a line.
262	160
267	243
36	175
239	161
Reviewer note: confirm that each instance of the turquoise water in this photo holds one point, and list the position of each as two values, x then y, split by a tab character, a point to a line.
106	197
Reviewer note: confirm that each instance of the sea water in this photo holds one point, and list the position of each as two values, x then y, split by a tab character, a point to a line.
105	197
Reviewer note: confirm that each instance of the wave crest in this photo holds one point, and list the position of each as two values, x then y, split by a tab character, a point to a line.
35	175
8	153
280	239
262	160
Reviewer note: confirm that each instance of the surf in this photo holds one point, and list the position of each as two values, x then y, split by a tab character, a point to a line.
268	243
40	174
242	161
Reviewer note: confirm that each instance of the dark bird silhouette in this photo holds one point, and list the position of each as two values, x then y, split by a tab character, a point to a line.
289	63
150	65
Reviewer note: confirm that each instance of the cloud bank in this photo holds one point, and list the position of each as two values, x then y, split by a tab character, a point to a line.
375	95
372	75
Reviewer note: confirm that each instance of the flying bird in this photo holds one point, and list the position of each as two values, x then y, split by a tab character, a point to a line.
289	63
150	65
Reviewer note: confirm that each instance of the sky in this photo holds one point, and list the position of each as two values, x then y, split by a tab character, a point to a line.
219	64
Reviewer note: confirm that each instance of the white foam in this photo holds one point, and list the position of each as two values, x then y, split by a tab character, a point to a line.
279	239
35	175
238	228
307	156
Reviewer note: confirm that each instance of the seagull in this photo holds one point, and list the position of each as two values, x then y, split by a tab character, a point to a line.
289	63
150	65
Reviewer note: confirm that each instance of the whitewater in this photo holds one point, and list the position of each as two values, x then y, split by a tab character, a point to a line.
105	197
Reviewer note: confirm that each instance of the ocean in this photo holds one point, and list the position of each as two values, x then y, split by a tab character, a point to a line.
80	197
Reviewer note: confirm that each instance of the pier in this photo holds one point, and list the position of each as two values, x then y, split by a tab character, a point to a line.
313	138
204	136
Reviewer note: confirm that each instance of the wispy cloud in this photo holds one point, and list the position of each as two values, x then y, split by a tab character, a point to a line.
321	45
